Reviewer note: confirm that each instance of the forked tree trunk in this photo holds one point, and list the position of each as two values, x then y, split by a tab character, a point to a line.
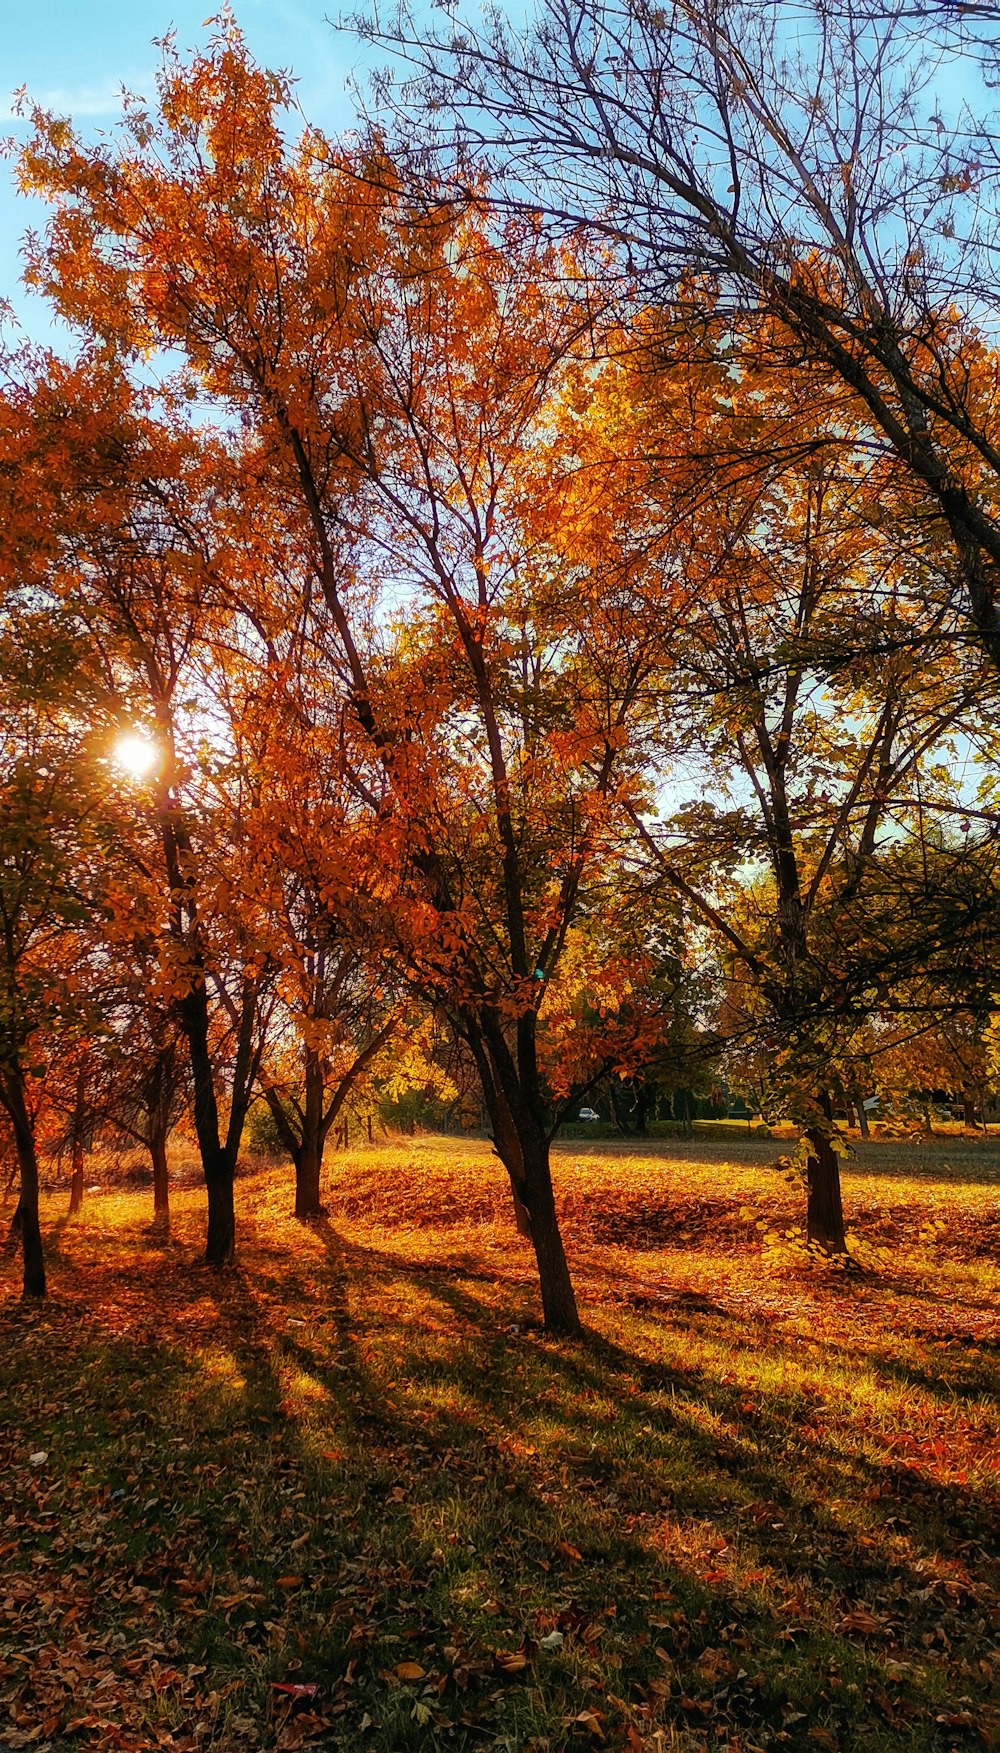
26	1216
824	1209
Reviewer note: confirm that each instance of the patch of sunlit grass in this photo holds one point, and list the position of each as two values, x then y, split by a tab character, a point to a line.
750	1510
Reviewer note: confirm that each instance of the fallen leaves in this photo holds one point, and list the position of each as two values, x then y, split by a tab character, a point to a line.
469	1544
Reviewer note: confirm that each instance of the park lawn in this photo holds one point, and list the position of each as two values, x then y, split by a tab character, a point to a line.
754	1508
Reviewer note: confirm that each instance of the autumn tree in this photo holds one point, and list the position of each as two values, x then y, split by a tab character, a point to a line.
141	1075
820	732
813	163
405	382
114	505
48	860
338	1012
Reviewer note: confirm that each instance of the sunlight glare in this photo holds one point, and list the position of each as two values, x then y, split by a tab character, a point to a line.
135	754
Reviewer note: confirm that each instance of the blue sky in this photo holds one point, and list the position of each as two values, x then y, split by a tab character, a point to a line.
75	55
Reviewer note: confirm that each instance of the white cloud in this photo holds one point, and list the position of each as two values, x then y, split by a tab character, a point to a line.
101	99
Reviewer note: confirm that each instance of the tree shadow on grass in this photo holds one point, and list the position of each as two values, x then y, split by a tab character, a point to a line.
452	1516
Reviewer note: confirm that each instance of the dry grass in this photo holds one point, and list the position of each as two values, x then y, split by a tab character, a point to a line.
754	1508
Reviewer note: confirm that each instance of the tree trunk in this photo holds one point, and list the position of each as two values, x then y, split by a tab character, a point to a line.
217	1166
620	1123
161	1177
859	1102
76	1183
521	1144
13	1241
308	1166
220	1242
79	1112
558	1300
26	1215
309	1155
969	1109
824	1211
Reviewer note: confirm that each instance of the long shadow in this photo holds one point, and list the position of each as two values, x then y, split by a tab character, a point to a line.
382	1555
583	1370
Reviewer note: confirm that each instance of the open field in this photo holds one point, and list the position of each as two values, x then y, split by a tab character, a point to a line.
755	1508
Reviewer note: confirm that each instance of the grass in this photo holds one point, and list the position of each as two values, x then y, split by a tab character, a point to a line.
753	1509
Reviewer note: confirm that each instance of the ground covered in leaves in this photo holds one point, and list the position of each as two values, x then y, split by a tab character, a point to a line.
348	1495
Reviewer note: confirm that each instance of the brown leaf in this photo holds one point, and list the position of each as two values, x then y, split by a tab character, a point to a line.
408	1671
587	1719
860	1620
510	1661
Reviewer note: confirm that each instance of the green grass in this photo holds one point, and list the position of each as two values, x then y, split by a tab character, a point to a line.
753	1509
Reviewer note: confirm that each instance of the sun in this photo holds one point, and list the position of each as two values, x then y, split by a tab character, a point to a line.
135	754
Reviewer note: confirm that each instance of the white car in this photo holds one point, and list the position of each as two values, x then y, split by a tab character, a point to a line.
588	1114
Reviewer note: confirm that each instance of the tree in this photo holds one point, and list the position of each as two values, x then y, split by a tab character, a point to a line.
47	875
818	748
142	1077
809	162
410	385
114	502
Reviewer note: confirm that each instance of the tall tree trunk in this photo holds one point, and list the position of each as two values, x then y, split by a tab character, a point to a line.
217	1160
161	1174
79	1109
76	1181
220	1240
508	1149
308	1171
859	1103
558	1299
26	1216
158	1111
309	1155
523	1148
217	1166
824	1209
